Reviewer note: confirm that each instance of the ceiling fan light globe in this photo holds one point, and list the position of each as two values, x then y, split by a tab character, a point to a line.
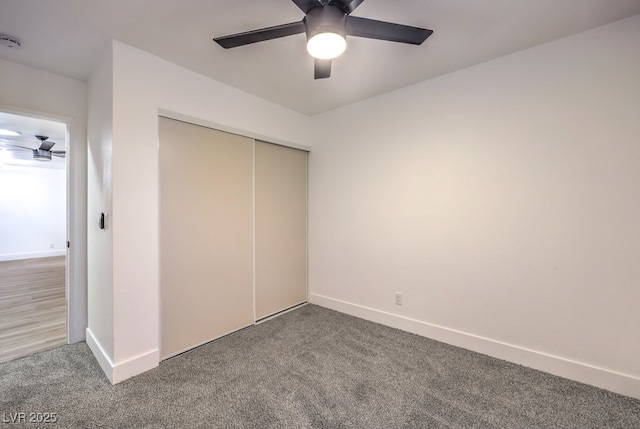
326	45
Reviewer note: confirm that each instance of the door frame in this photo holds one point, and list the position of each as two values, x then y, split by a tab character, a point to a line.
75	294
169	114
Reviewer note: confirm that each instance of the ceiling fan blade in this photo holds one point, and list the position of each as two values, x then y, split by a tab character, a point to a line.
372	29
307	5
347	6
260	35
12	146
46	145
59	153
322	68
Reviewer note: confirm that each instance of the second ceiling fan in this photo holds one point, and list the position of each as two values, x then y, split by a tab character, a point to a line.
41	153
327	23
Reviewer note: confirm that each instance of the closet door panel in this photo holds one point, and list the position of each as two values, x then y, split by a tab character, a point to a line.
281	228
206	234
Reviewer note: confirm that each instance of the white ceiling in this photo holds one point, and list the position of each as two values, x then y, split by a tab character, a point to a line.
29	127
67	36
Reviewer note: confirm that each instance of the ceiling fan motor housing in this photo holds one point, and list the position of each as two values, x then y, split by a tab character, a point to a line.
327	19
41	155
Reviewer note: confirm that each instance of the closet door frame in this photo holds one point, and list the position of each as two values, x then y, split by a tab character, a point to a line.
162	113
232	130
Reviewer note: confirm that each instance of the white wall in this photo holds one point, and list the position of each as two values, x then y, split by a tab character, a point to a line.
32	212
142	85
501	200
24	90
100	196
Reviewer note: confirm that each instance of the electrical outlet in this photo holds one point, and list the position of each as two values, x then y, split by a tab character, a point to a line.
398	298
52	245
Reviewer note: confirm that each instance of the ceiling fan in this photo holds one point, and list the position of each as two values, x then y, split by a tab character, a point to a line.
327	23
42	153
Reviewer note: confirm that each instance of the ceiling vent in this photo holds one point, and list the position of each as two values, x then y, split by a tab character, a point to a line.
9	41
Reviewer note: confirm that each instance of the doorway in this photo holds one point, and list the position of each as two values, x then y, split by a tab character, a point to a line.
33	227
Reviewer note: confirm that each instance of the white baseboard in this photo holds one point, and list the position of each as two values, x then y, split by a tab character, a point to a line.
135	365
32	255
125	369
101	356
613	381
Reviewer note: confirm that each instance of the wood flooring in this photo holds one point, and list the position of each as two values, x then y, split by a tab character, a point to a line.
32	306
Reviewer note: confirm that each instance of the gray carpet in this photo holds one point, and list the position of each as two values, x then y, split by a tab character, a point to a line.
310	368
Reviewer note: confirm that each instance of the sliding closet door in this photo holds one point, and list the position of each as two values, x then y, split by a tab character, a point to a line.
281	228
206	234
